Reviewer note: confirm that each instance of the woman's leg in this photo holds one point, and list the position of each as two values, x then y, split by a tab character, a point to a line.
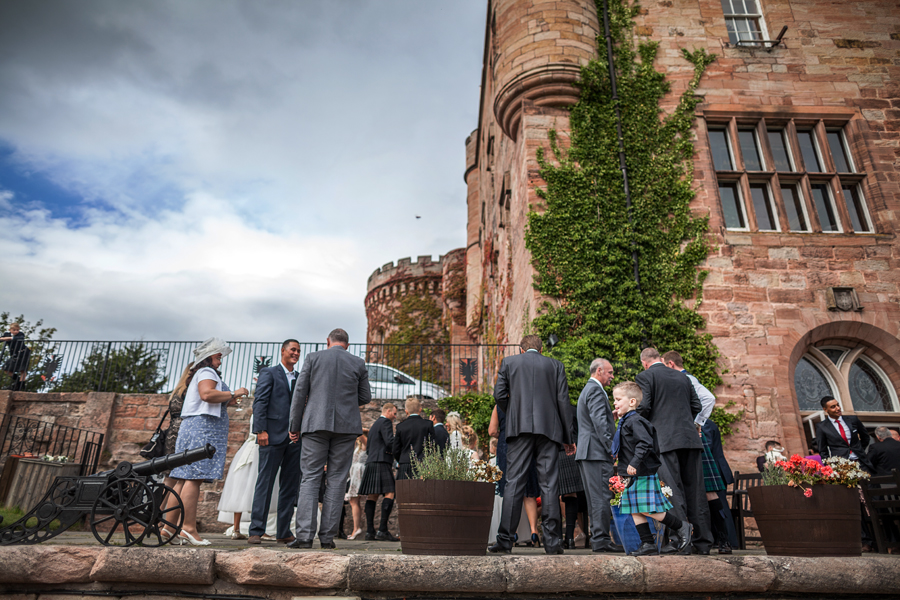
237	522
356	511
172	517
190	494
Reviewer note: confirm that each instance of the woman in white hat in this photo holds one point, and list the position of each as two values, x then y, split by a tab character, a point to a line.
204	421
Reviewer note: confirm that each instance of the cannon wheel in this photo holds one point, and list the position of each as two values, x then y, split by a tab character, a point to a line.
126	503
170	514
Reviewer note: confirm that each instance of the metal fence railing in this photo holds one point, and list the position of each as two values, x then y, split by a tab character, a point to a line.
395	370
32	437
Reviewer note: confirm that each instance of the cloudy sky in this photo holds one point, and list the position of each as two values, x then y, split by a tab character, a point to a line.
173	170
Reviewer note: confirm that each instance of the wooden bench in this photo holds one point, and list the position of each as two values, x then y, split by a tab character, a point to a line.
740	505
882	497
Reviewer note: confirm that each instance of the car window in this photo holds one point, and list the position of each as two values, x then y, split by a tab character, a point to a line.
380	374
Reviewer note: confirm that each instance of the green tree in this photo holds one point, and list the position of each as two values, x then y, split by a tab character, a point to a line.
582	241
131	369
41	345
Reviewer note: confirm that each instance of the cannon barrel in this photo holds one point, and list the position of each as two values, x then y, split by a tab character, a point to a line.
155	466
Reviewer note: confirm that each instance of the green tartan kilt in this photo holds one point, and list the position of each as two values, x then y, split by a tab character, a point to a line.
644	496
712	479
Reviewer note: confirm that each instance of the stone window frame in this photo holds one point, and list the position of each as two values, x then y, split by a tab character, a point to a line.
821	121
735	34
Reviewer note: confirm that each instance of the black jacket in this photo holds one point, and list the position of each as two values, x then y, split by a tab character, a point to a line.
533	392
381	441
441	437
832	444
638	447
670	403
884	456
411	437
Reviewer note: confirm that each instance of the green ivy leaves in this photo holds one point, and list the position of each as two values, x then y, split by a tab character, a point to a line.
582	241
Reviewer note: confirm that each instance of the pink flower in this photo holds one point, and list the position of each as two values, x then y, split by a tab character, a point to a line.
807	492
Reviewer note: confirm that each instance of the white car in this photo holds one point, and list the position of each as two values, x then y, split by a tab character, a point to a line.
388	383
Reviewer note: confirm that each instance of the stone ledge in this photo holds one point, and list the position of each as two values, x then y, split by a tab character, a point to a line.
159	565
280	571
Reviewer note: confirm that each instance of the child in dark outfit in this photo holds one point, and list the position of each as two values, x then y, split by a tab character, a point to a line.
637	447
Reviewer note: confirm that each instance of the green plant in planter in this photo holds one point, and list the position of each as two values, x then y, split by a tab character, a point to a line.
452	464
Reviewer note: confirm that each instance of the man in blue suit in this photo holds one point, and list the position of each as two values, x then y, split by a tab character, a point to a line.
271	413
596	428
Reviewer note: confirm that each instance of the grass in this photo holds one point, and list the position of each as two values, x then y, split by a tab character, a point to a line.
11	514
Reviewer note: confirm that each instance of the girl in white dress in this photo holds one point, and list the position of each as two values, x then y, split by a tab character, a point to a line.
237	493
454	424
356	474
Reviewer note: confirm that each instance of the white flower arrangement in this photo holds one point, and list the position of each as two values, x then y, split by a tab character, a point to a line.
666	490
56	459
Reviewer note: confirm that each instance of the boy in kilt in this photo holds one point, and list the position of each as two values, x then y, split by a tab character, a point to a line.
378	478
635	444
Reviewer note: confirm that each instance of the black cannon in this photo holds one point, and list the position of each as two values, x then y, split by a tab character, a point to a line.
126	498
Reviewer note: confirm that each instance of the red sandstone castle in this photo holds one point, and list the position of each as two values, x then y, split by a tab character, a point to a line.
797	152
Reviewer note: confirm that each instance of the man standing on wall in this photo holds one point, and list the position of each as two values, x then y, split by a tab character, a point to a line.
271	409
331	387
596	428
532	390
670	404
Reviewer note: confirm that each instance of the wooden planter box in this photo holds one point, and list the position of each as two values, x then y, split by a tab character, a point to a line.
33	478
825	524
450	518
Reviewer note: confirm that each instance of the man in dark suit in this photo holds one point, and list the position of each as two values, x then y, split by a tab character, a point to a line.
410	438
841	435
532	390
593	452
441	437
331	387
271	408
885	453
670	403
378	478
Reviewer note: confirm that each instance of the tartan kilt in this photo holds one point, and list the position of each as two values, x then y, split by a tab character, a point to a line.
712	478
644	496
405	471
378	478
569	477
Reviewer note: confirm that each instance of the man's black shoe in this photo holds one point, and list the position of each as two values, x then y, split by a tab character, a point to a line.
300	544
646	549
684	538
498	549
385	536
568	544
668	548
328	545
558	550
696	550
342	535
724	548
609	548
370	537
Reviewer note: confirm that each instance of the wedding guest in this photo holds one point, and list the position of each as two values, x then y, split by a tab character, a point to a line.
357	469
204	421
16	366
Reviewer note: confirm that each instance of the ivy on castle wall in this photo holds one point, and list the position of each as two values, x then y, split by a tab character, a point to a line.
581	242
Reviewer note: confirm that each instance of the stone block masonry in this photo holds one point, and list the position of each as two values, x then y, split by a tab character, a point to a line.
282	575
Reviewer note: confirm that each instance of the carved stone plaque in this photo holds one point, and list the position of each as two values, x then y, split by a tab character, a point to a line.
842	298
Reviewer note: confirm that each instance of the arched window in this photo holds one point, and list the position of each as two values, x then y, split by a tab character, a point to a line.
852	377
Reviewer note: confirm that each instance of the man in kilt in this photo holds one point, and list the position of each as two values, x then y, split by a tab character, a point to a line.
378	478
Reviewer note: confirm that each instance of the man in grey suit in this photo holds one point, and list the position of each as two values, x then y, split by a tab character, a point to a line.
670	403
271	408
332	385
532	390
594	452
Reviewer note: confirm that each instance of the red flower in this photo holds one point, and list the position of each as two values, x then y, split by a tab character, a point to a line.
807	492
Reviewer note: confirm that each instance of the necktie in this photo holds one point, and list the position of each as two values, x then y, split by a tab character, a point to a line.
841	429
617	439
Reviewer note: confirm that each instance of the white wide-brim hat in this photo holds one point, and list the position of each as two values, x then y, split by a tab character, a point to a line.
211	347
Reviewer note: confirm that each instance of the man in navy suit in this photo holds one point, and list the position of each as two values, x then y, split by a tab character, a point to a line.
271	411
441	437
